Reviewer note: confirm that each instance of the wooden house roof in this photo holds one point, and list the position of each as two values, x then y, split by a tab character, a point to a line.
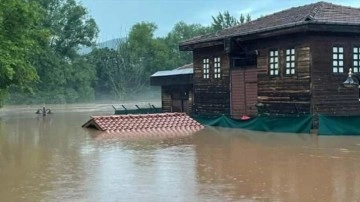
316	13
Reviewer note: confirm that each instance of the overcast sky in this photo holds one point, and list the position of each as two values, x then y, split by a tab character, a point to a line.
116	17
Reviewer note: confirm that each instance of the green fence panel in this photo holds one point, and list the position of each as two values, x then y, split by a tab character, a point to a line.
339	125
291	124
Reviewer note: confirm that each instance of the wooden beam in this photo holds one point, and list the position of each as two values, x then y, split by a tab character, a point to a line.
191	47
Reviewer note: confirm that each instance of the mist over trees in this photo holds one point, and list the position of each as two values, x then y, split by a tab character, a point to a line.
40	61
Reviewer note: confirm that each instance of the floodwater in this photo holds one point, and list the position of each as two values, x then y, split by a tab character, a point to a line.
53	159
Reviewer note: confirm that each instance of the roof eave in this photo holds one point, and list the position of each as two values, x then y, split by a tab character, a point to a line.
189	46
211	39
304	26
92	121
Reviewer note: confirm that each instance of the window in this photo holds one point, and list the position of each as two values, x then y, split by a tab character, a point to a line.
356	59
290	61
217	68
206	68
338	59
274	62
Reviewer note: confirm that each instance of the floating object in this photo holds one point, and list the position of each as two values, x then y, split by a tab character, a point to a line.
44	111
245	117
144	125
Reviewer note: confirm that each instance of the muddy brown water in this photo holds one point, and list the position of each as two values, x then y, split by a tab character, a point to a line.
53	159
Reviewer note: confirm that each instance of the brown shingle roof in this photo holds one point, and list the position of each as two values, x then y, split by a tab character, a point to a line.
319	13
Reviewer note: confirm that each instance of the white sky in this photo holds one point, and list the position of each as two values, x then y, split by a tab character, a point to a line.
116	17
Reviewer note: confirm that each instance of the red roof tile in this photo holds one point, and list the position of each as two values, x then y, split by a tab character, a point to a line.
157	133
144	124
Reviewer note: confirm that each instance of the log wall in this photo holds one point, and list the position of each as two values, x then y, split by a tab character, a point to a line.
211	96
171	104
284	94
330	96
166	101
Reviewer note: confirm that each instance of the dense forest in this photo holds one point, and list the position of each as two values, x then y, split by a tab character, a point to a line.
40	61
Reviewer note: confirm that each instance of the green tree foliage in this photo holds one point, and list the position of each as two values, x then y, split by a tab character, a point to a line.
116	74
150	53
225	20
20	35
70	26
248	18
64	75
179	33
41	40
127	70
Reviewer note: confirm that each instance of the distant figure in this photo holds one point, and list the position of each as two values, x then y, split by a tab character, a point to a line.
44	111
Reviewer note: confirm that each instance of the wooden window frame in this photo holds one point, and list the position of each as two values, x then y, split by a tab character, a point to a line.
206	68
217	67
356	59
274	69
290	62
337	59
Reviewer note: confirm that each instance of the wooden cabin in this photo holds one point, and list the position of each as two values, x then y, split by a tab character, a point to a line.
176	88
291	62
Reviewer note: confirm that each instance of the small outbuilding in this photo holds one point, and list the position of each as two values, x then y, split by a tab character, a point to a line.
176	88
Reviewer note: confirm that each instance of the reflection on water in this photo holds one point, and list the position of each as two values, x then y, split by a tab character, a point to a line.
53	159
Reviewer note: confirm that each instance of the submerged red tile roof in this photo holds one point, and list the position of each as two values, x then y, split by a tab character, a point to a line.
144	124
146	133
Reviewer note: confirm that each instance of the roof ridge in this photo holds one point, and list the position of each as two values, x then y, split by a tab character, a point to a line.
314	10
318	12
274	14
337	5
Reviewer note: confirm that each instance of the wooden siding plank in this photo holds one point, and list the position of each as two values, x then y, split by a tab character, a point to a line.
211	96
330	97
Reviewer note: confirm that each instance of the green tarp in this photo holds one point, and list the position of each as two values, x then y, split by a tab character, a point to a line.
328	125
291	124
339	125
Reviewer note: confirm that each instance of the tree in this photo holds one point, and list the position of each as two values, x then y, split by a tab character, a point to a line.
142	47
248	18
20	36
225	20
179	33
64	75
116	74
70	26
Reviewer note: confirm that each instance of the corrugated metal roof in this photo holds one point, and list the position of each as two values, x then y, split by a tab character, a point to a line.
173	72
186	69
